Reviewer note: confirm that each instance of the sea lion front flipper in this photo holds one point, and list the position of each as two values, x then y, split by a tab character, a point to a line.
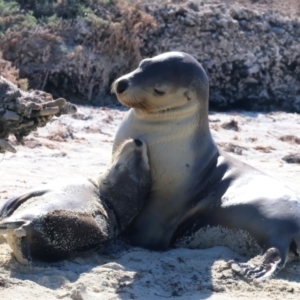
12	204
13	227
272	262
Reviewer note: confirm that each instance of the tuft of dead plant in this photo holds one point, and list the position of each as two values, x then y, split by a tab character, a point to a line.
264	149
292	139
233	148
80	55
62	134
11	73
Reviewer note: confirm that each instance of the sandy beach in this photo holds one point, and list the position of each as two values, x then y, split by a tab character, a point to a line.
81	145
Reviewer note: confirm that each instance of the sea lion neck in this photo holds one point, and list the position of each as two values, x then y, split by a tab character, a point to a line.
191	113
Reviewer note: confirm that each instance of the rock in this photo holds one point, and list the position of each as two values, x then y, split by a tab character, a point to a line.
22	112
251	56
293	158
250	53
231	125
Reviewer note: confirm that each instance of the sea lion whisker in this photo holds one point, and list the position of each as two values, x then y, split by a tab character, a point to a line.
113	87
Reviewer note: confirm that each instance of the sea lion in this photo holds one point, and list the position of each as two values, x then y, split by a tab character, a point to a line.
194	184
69	216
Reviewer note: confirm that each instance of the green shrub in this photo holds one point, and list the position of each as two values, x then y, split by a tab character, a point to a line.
79	47
11	17
8	8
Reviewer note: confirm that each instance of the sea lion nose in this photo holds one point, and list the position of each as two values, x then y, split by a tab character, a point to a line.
122	86
138	143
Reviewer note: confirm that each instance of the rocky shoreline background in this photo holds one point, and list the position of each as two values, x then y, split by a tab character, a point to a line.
250	49
22	112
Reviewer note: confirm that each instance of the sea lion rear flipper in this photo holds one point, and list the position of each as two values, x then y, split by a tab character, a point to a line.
272	262
12	204
13	227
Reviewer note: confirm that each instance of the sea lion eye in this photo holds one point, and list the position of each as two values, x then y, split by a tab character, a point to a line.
158	92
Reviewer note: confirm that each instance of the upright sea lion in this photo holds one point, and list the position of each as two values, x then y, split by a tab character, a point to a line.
66	217
194	184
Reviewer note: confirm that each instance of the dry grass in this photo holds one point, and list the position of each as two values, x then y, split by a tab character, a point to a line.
62	134
292	139
264	149
233	148
11	73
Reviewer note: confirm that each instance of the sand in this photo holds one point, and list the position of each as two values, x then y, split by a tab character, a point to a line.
81	144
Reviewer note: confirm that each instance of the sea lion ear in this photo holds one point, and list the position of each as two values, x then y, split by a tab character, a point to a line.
144	62
187	95
104	179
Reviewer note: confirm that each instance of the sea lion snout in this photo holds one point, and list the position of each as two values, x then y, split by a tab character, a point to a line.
122	85
138	143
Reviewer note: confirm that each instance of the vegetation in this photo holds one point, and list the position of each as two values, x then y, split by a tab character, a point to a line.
75	48
71	48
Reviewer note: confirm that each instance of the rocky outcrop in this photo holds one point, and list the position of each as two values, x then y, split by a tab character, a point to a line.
252	58
80	58
22	112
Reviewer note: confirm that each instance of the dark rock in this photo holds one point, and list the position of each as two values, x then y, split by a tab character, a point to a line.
23	112
293	158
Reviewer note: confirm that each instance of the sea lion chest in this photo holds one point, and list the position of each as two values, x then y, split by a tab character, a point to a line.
170	149
174	154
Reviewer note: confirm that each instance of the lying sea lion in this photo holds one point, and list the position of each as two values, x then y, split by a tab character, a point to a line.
69	216
194	184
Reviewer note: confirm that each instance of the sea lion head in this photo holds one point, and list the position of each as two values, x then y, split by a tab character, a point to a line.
164	82
126	185
130	164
